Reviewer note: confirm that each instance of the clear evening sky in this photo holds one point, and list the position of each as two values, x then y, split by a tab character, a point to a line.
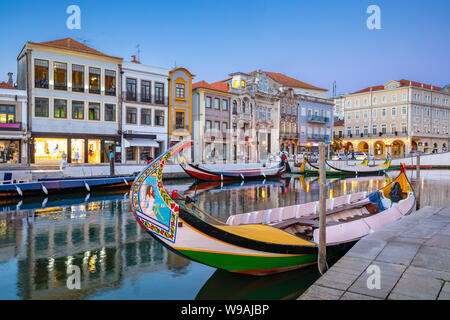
314	41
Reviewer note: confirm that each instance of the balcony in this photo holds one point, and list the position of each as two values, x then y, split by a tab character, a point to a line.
289	135
318	136
375	135
11	126
319	119
144	98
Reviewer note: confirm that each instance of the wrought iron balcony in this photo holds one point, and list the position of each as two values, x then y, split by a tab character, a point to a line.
144	98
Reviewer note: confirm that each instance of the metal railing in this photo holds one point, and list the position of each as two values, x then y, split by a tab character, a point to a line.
315	118
144	98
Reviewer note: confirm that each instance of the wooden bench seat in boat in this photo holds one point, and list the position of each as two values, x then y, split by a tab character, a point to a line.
306	210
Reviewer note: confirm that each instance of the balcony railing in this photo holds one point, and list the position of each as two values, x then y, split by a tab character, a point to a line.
314	118
378	134
11	126
179	127
144	98
289	135
319	136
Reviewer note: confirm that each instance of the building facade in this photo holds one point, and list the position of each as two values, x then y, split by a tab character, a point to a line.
180	105
396	118
211	121
13	125
73	102
145	111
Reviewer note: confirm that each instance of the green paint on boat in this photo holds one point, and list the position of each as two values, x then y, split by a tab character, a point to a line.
233	262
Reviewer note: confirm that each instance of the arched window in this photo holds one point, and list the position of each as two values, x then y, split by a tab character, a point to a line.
234	107
243	107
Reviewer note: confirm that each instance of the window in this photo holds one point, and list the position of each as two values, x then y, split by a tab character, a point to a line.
383	128
404	97
294	110
436	113
349	131
146	91
426	112
159	118
394	98
243	107
234	107
179	120
393	128
366	114
374	130
216	103
131	153
445	114
131	89
417	111
77	78
366	102
242	83
393	111
131	115
404	111
383	113
159	93
180	91
383	99
216	127
7	113
208	127
357	130
366	130
60	108
78	110
208	102
224	105
41	107
404	128
94	80
146	116
41	74
349	104
224	129
288	111
374	100
94	111
356	115
357	103
60	76
110	112
349	116
110	82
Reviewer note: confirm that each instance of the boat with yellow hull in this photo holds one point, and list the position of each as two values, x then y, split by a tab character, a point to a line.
261	242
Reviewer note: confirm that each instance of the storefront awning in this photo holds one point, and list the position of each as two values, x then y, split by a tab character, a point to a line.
140	143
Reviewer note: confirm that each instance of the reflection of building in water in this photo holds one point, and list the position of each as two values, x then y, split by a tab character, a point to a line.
102	238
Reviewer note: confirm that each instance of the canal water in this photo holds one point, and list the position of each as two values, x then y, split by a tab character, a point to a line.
40	238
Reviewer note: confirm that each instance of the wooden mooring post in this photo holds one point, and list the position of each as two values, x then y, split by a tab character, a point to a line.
322	257
418	181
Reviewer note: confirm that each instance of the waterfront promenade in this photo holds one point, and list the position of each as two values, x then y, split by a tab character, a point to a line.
413	256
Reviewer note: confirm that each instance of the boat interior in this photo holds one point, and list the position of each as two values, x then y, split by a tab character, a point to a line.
348	217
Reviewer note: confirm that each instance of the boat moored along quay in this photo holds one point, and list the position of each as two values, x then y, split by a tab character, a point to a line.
262	242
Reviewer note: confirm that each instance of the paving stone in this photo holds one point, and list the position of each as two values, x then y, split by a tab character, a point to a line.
367	249
421	232
351	265
337	280
356	296
389	275
398	252
383	235
423	273
423	213
411	240
417	288
316	292
432	258
445	230
445	292
439	241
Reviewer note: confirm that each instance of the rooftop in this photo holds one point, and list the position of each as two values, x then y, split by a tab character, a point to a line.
402	83
216	86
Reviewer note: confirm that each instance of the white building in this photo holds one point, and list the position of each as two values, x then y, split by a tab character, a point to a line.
13	125
73	98
144	111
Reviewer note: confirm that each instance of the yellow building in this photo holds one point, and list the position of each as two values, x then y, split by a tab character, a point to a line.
180	105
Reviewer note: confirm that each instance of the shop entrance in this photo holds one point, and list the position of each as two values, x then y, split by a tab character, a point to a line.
49	151
9	151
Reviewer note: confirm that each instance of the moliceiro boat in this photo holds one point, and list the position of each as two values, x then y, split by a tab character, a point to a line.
204	174
44	187
307	168
261	242
363	168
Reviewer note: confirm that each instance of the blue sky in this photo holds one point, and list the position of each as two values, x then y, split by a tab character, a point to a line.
314	41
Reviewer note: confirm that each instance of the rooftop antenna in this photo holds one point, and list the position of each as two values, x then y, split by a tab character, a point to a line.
138	52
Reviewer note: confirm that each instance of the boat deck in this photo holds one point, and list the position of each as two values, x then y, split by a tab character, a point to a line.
413	257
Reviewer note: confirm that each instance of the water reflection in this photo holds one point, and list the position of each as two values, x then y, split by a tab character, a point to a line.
97	232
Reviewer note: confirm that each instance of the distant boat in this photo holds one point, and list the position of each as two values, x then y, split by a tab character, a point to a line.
201	173
307	168
44	187
267	241
363	168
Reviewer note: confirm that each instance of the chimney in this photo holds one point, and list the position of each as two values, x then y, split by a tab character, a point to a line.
10	79
134	59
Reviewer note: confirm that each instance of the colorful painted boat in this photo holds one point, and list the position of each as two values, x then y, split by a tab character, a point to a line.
204	174
44	187
363	168
262	242
309	169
